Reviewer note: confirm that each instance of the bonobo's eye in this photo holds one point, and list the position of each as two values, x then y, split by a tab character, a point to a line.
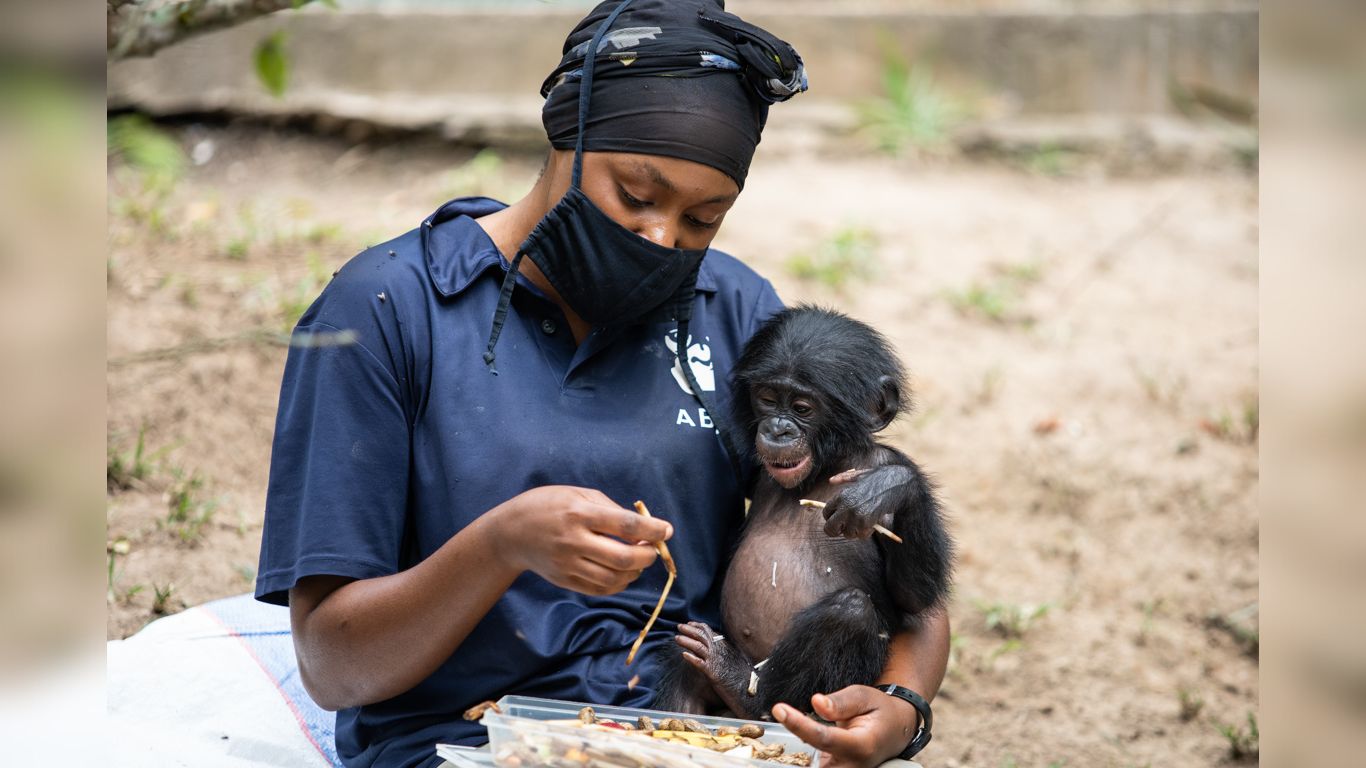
766	398
802	408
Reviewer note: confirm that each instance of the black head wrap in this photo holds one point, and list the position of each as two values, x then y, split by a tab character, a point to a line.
680	78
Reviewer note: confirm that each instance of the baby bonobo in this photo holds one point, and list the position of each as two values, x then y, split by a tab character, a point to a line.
813	595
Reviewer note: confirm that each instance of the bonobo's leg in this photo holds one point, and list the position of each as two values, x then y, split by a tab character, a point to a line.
682	688
721	663
837	641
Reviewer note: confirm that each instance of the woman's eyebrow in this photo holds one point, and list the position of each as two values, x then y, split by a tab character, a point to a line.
657	176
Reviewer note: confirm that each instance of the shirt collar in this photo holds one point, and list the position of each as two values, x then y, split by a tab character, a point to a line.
452	264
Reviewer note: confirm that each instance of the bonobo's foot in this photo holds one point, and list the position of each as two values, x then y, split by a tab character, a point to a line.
724	665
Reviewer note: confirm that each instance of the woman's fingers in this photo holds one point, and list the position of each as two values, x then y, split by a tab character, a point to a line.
628	525
618	556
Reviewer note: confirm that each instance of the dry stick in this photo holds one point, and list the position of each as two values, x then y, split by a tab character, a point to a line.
668	583
876	527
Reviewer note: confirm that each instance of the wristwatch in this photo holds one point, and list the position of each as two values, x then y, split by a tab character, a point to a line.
922	736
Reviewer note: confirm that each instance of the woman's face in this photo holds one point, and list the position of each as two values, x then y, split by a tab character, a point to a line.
675	203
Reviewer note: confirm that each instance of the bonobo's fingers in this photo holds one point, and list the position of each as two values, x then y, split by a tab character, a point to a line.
847	476
696	638
844	518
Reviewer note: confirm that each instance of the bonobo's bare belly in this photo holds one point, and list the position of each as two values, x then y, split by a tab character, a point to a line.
785	562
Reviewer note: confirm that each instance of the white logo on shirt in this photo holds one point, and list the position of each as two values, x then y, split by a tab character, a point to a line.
699	357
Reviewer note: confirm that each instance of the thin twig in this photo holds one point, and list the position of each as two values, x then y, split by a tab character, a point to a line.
259	336
880	529
668	584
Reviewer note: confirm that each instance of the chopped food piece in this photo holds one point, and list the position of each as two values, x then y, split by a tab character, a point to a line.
587	716
477	711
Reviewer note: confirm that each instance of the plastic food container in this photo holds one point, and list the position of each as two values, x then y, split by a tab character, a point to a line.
526	734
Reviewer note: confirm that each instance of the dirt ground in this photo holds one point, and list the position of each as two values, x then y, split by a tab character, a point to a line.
1084	359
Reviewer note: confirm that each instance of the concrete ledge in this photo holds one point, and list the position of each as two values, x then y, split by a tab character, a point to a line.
469	70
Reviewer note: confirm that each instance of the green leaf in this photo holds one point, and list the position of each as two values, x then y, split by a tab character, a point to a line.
272	64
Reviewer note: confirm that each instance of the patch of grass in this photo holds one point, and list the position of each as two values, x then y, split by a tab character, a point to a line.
1050	159
983	393
237	249
189	511
189	293
1009	646
162	598
957	645
484	174
1011	620
1243	744
983	300
113	551
1162	387
996	299
1241	627
294	303
849	253
125	470
1190	704
1241	424
1150	609
914	111
245	572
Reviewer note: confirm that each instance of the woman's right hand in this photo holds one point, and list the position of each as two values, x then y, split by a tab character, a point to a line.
576	538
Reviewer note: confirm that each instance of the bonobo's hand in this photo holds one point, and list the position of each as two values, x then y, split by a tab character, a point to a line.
868	726
576	538
869	497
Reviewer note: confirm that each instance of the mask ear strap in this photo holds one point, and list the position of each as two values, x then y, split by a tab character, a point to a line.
500	315
586	88
721	421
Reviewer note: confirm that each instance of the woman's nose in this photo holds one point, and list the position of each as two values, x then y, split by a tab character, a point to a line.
659	232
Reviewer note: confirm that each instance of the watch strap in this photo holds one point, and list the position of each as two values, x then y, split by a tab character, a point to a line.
922	736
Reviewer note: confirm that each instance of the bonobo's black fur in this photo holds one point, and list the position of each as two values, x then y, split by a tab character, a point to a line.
812	596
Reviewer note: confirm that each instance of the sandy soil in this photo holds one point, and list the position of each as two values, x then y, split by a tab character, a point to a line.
1084	352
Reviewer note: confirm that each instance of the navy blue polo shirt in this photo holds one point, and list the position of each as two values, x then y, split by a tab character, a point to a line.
392	436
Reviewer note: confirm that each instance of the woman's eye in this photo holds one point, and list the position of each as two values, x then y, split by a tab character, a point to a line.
631	200
697	223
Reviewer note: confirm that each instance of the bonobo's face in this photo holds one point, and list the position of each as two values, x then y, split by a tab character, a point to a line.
787	416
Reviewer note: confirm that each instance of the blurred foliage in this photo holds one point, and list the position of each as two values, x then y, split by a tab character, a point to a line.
146	148
272	63
849	253
914	112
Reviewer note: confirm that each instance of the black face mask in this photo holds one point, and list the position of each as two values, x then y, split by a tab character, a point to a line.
607	274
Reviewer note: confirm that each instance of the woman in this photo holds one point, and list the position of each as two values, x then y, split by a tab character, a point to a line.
468	408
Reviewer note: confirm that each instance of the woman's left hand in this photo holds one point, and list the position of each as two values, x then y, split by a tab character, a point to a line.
869	727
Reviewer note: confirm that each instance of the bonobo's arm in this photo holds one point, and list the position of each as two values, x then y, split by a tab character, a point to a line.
896	495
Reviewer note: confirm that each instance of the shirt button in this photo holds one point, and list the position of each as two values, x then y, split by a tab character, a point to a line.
548	327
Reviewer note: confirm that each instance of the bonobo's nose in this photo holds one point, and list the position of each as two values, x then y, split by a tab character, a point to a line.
778	430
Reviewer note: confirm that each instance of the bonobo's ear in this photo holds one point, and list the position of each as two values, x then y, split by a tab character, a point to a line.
888	403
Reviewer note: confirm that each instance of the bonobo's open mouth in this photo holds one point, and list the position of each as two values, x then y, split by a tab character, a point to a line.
788	473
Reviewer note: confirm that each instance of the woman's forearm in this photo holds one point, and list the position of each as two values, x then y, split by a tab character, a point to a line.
919	659
364	641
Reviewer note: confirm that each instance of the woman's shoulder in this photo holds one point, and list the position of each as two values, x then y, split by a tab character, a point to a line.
743	295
